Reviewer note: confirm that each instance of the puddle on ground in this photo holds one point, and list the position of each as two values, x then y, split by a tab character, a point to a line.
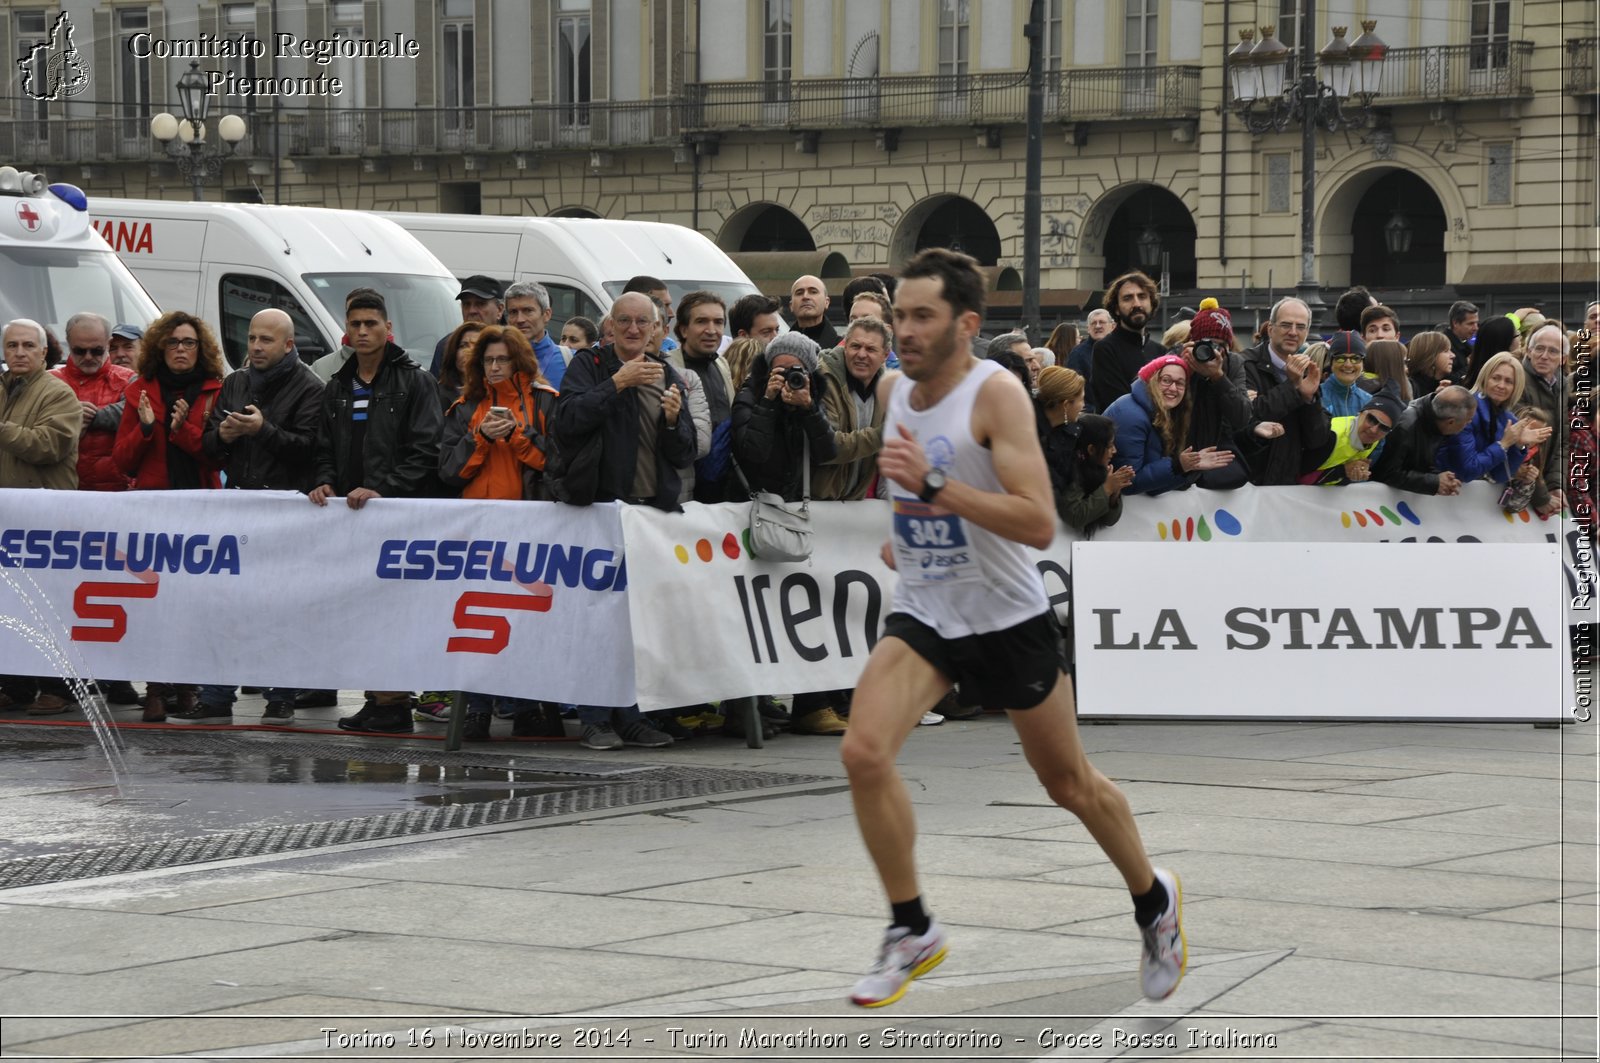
60	797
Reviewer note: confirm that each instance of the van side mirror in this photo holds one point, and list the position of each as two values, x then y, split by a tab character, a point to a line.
309	349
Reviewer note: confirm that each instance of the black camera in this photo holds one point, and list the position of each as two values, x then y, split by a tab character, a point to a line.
796	378
1205	351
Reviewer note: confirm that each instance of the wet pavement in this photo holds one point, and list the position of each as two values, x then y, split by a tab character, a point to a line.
181	796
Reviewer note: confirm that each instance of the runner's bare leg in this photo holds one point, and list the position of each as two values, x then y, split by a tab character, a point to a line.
896	688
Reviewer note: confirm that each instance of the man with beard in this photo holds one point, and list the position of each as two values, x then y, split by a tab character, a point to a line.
1117	359
970	491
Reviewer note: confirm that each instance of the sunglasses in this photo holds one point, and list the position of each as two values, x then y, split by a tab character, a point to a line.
1383	429
88	352
1356	358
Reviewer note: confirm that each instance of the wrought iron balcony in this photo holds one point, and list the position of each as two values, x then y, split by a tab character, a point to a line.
1452	72
370	132
1581	79
836	103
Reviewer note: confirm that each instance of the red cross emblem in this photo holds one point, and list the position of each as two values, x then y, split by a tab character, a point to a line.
29	216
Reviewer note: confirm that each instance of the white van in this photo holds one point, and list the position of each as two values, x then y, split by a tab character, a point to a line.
52	262
226	261
583	262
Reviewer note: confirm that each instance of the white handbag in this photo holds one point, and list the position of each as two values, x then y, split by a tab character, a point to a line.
779	530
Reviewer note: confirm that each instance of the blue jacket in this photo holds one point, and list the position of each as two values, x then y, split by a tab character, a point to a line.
1140	446
1342	401
551	363
1079	360
1474	453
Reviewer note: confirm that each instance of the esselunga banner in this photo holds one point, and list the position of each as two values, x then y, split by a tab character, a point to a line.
1324	630
263	588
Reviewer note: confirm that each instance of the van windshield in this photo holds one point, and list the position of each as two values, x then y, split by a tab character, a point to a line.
422	309
731	291
50	284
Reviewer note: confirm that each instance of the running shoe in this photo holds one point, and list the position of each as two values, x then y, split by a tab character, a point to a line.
1166	953
431	712
904	956
930	719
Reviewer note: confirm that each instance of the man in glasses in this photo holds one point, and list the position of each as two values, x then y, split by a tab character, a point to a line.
1355	443
99	386
632	404
1283	385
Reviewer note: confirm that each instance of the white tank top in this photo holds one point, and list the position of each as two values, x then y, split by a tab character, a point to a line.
954	576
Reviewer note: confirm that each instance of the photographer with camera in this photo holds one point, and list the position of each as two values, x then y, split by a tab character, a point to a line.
1221	417
777	416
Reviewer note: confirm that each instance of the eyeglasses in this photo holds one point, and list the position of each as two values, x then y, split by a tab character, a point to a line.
1291	326
1356	358
186	344
1171	385
497	359
88	352
1383	429
1544	349
631	322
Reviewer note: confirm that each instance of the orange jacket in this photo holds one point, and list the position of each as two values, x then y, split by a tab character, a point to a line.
486	468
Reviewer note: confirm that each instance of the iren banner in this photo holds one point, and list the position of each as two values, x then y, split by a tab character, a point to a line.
263	588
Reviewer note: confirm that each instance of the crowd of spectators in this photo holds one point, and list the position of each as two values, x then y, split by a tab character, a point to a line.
660	404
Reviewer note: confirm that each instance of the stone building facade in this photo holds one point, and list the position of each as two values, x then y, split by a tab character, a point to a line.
874	127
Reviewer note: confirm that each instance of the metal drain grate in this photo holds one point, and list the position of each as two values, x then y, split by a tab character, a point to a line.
594	789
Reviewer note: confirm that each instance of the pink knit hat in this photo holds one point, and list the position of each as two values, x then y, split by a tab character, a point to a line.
1155	365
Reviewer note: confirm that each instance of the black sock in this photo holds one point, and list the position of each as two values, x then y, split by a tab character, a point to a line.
1148	906
910	914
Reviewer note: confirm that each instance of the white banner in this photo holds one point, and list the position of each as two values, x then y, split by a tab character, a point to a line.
710	622
1326	631
263	588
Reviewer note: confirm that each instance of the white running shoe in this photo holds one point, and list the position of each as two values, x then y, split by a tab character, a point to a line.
930	719
904	956
1166	953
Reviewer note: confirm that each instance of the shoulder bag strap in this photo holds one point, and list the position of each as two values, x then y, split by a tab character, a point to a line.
805	471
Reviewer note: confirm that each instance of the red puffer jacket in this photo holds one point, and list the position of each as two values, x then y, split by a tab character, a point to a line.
97	471
144	457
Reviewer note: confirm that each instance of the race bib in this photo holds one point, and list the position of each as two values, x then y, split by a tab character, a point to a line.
930	544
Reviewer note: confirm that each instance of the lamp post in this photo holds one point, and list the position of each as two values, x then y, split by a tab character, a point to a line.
193	161
1264	103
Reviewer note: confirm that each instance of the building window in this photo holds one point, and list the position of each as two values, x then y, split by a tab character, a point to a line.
1277	184
955	23
239	24
1497	179
133	74
777	50
456	43
1052	35
1491	34
573	85
1139	56
33	31
346	22
1288	31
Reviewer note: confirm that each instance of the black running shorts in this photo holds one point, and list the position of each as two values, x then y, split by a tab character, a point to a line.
1011	669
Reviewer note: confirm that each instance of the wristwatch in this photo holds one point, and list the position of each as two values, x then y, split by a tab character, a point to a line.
932	484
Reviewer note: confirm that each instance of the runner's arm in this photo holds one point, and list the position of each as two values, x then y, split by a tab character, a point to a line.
1002	418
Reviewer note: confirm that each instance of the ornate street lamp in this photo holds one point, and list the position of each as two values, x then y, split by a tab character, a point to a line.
193	161
1352	72
1397	233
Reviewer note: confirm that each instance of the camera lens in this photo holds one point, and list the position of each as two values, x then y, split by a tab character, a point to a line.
1204	350
796	378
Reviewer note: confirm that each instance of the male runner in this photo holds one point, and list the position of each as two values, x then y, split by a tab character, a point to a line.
970	488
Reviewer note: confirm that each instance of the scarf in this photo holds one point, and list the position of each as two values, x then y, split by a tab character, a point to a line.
263	381
183	472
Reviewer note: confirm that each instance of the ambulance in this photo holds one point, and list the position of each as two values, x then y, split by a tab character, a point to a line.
53	264
584	263
224	262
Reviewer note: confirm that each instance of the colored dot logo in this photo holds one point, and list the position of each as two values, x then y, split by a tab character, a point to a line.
1378	517
702	549
1190	529
1511	517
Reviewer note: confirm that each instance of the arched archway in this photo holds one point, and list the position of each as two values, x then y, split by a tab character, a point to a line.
1149	224
573	212
1362	186
946	221
765	227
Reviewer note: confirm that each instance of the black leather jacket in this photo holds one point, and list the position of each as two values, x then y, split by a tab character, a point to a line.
278	458
401	451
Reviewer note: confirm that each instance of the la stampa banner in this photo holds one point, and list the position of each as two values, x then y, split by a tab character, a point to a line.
263	588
